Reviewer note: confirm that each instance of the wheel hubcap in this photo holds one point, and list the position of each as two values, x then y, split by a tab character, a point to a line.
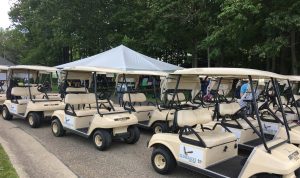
4	113
98	140
55	128
30	120
160	161
157	129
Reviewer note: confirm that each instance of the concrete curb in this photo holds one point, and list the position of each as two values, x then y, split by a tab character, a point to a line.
28	156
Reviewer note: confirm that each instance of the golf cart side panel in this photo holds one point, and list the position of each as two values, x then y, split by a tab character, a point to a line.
2	98
113	121
205	156
283	160
163	115
15	108
47	107
294	134
60	114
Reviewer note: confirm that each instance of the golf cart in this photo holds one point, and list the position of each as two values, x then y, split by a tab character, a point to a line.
3	84
102	123
24	85
214	153
155	115
150	114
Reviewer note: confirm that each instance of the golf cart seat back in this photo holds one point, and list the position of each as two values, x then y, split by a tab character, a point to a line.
24	91
138	98
190	118
178	97
134	97
84	98
75	104
228	108
76	90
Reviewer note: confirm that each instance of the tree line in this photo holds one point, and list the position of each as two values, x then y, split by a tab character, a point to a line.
258	34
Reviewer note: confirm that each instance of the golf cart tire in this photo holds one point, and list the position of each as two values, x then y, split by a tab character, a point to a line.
6	114
106	139
60	130
163	127
170	162
36	119
134	135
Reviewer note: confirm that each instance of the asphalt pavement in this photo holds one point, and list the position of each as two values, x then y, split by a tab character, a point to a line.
83	159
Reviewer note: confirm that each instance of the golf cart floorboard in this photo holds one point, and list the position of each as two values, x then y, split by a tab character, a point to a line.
144	122
229	168
83	130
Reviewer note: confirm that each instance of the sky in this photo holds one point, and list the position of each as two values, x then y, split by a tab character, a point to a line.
4	8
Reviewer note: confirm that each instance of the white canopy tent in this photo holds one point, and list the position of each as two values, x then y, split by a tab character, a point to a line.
123	58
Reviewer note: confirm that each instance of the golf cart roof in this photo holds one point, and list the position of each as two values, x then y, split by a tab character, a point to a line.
33	67
92	69
144	72
230	72
295	78
3	68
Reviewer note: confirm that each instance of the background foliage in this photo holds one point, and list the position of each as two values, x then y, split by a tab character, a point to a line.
237	33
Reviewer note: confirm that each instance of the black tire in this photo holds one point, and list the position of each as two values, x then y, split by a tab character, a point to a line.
6	114
102	139
160	127
297	172
34	119
134	135
162	160
57	128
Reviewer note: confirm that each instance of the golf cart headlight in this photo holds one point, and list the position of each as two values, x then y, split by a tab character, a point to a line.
121	119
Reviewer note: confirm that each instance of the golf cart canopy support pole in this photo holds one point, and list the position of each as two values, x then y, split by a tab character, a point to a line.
175	91
257	114
293	99
276	89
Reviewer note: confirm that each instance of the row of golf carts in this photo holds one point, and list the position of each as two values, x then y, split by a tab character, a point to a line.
216	136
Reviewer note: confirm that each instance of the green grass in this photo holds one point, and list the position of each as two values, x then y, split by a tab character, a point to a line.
6	168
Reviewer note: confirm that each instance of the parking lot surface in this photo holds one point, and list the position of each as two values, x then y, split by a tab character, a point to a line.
80	155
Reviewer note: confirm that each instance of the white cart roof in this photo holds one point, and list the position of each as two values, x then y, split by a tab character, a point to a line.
92	69
3	68
230	72
33	67
123	58
293	77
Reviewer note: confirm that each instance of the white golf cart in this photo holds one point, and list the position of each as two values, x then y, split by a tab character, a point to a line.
24	85
3	84
214	153
86	115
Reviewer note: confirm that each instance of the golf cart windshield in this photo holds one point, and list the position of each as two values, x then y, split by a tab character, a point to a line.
37	79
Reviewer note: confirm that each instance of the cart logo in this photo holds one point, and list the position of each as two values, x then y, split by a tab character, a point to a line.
294	156
69	121
266	127
186	152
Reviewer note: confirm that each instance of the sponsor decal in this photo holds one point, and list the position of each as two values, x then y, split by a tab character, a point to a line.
270	128
13	108
69	121
191	156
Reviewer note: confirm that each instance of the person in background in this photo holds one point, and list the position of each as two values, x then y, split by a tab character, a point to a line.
244	88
